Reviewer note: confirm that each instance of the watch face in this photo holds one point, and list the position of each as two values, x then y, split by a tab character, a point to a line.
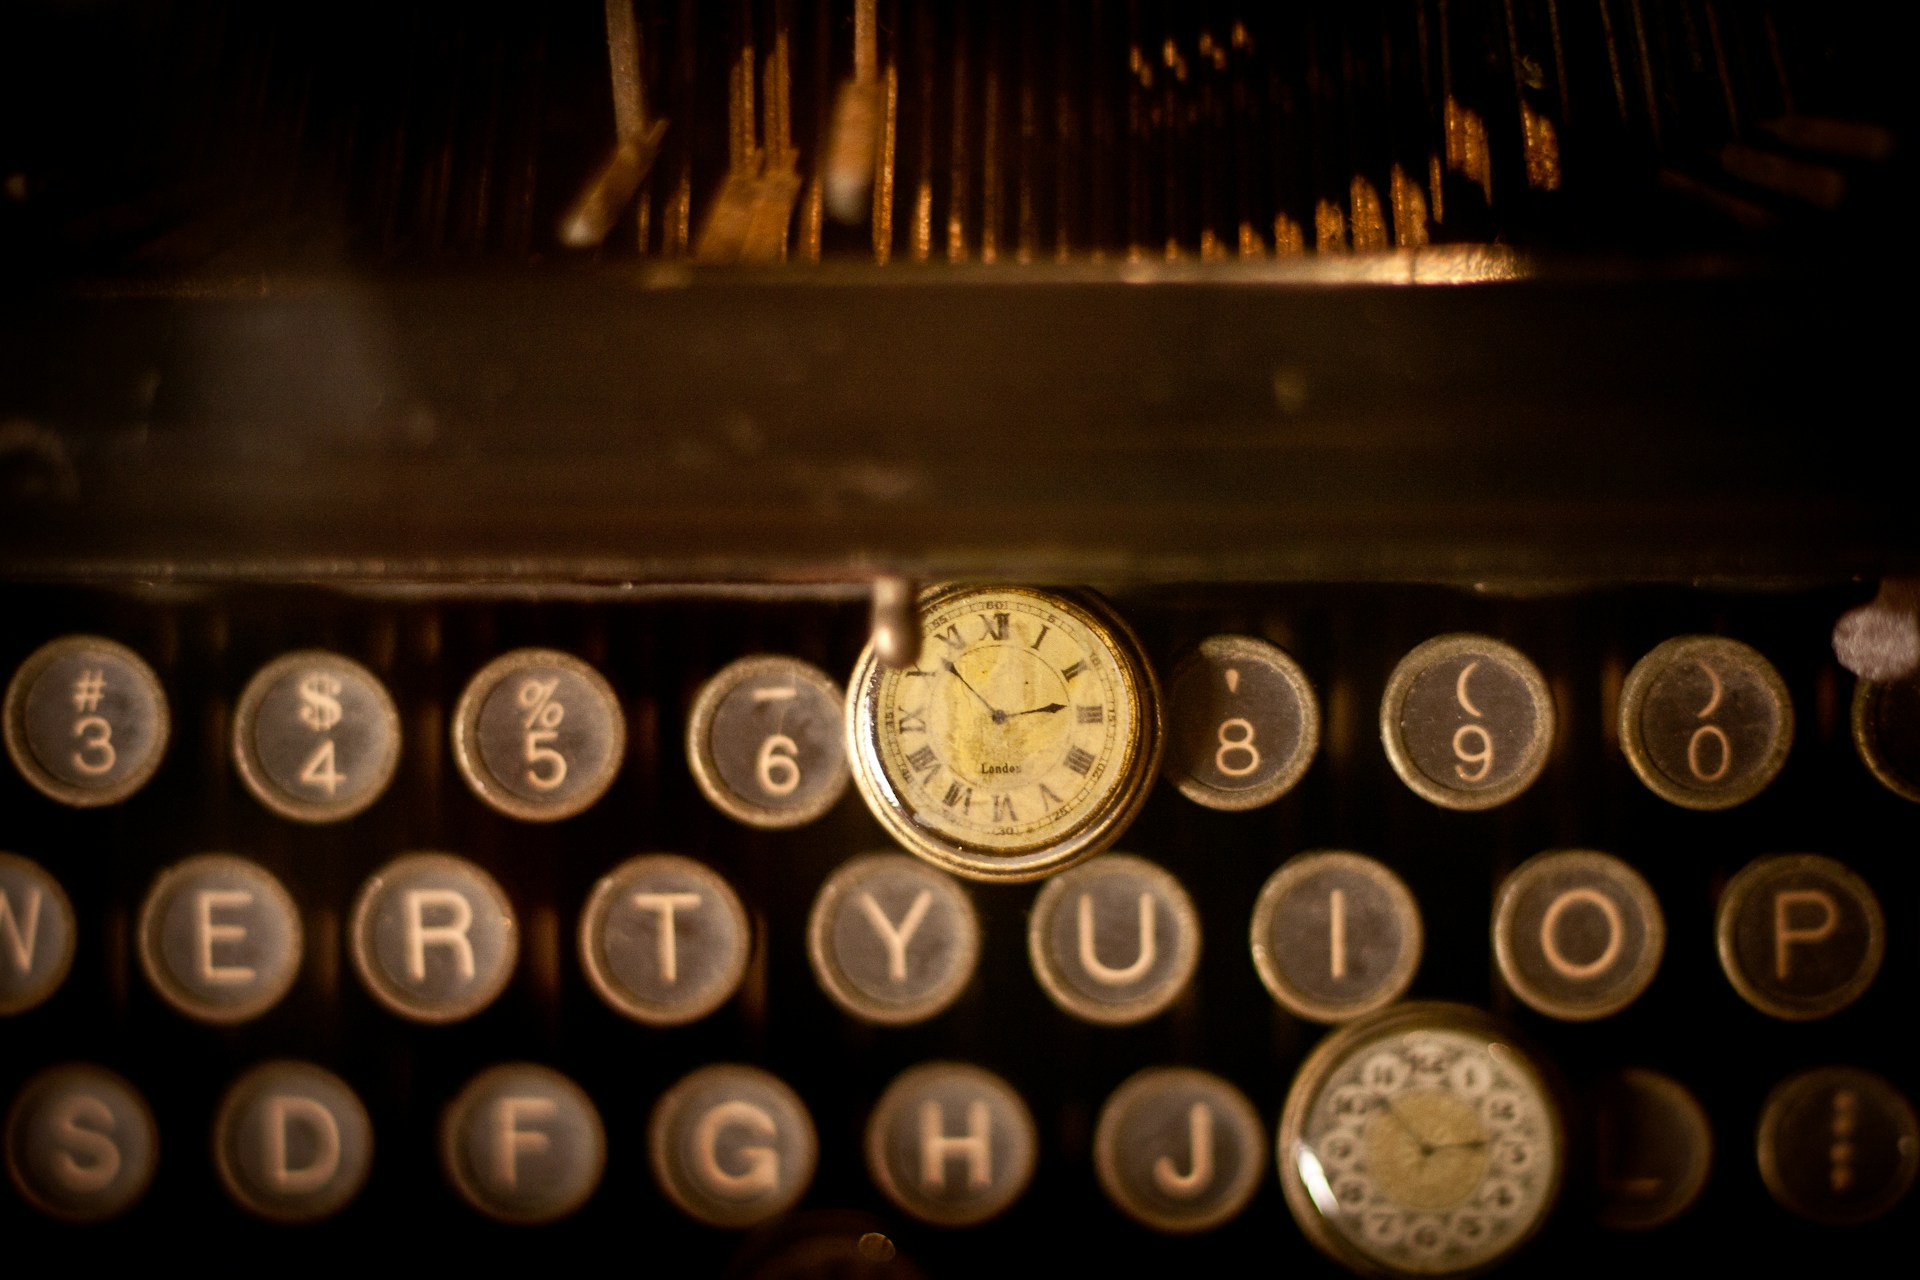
1422	1142
1021	740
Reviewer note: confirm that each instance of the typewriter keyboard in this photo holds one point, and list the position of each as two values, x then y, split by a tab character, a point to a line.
552	929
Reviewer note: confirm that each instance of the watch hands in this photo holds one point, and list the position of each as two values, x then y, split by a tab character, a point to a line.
1460	1146
999	716
1426	1148
1034	711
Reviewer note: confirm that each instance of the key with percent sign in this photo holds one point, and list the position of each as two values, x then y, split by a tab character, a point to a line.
316	736
538	735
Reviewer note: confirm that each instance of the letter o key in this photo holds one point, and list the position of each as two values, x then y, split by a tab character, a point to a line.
1578	935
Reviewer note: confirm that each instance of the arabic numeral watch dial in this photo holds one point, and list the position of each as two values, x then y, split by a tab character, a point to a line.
1023	739
1423	1141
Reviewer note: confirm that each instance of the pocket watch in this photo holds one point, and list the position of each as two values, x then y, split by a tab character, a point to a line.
1023	739
1421	1141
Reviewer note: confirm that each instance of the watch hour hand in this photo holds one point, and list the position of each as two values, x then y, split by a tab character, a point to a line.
999	716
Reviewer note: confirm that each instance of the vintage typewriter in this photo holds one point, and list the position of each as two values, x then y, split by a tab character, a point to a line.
878	638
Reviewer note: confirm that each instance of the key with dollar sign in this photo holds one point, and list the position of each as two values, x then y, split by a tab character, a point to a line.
317	737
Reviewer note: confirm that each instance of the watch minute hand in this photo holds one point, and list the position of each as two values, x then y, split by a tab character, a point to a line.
1426	1148
999	716
1034	711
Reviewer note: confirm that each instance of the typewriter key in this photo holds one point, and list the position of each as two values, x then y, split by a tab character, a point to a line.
732	1145
1800	936
81	1143
539	735
522	1143
433	937
951	1144
1114	941
1024	738
1179	1150
1335	935
1838	1146
767	742
316	737
86	721
292	1142
1886	730
1653	1149
37	934
220	938
1242	724
892	939
1578	935
664	939
1705	721
1420	1141
1467	721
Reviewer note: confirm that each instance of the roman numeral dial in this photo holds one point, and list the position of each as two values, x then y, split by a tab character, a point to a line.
1023	739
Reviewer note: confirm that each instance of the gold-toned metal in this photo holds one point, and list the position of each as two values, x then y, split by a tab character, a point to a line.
1369	216
1066	888
246	755
706	771
1432	1146
1703	650
1409	211
1542	146
1533	753
1467	152
1752	877
1598	866
1329	228
13	716
1866	740
1052	823
1289	239
1406	913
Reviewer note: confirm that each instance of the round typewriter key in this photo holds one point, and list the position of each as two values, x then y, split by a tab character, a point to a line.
731	1145
220	938
1578	935
316	738
1179	1150
522	1143
1467	721
951	1144
1705	722
292	1142
1838	1145
892	939
37	933
539	735
1114	940
1886	730
1242	724
81	1143
1335	935
767	742
433	937
1653	1149
86	721
1800	936
664	939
